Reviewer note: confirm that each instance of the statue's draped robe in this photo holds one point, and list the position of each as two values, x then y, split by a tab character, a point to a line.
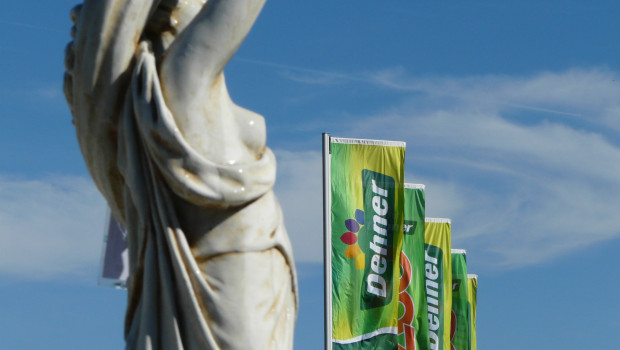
230	285
210	262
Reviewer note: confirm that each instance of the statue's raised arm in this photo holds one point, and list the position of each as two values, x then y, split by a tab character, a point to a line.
192	80
203	48
185	169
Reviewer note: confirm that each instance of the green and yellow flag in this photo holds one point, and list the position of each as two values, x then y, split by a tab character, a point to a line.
438	275
366	204
413	317
472	297
459	326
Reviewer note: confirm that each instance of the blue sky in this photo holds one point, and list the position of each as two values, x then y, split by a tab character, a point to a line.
510	111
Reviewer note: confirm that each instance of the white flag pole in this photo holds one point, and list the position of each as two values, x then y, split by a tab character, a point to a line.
327	243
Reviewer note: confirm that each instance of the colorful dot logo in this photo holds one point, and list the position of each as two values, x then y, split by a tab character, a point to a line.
349	238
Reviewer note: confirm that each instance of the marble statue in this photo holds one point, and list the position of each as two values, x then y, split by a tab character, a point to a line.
185	170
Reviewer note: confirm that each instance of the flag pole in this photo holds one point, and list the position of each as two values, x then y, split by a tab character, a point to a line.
327	261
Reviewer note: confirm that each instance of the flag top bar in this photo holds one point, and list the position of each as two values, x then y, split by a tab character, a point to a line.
349	141
415	186
438	220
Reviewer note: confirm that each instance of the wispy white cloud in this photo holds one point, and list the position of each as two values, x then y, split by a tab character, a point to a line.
299	190
310	76
587	94
52	92
520	190
50	228
573	93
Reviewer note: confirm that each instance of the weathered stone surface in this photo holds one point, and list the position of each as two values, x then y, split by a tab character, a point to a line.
185	170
